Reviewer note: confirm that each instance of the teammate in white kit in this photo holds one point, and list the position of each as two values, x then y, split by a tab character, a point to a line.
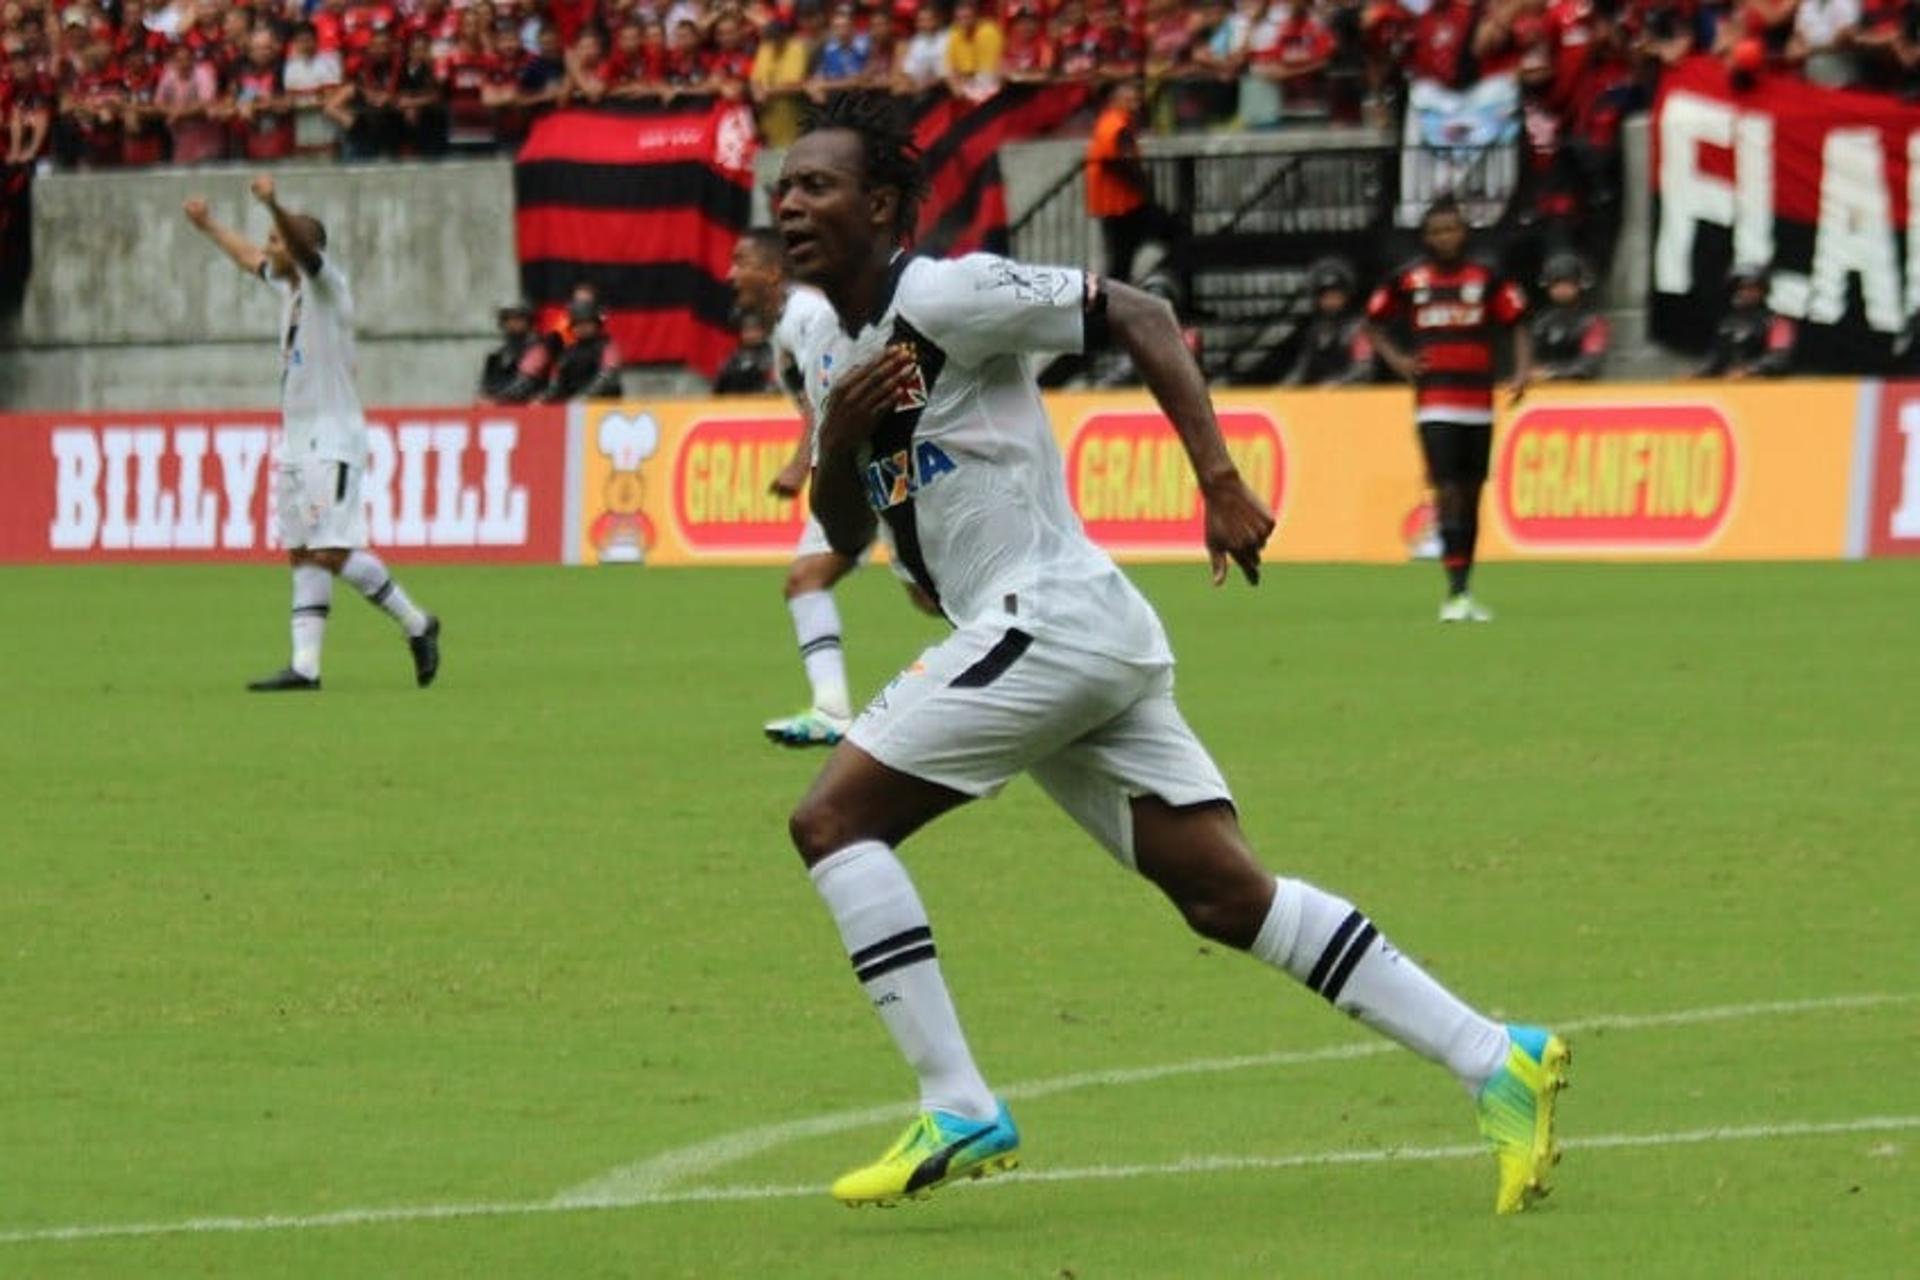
323	440
762	286
928	415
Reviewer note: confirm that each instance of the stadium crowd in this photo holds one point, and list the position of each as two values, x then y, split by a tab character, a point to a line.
101	83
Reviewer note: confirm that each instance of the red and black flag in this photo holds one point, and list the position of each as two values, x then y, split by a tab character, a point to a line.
966	206
643	201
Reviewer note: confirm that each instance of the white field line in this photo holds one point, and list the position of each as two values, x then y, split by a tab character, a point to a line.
1186	1167
659	1172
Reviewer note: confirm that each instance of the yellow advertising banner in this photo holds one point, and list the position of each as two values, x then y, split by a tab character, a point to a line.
1600	471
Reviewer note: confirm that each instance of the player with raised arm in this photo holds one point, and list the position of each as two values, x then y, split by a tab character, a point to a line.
323	440
763	287
1452	305
930	420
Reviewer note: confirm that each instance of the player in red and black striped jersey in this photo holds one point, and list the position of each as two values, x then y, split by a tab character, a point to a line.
1452	306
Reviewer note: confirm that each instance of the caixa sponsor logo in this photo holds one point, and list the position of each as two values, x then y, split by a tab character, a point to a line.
192	487
1640	476
723	485
894	478
1134	488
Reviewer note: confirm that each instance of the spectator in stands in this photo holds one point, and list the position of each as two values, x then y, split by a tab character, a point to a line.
588	367
87	130
144	137
1123	56
686	58
543	78
133	32
515	370
841	61
1029	55
466	63
779	72
883	49
261	117
923	63
586	67
1750	340
1295	59
1335	348
1769	21
422	100
1443	40
30	121
1077	41
974	45
367	105
1570	337
309	78
1119	194
1823	36
195	113
749	370
1387	30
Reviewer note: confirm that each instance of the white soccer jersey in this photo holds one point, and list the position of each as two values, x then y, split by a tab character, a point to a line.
807	311
965	472
319	406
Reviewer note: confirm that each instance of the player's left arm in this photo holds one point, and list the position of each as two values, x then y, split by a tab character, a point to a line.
1238	522
293	233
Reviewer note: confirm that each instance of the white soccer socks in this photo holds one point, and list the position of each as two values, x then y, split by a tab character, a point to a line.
885	931
1330	945
369	576
816	625
312	601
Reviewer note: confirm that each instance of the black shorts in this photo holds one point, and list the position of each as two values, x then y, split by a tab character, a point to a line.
1457	452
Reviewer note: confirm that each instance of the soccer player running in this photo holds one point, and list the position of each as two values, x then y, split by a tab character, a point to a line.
1451	305
929	419
323	440
762	287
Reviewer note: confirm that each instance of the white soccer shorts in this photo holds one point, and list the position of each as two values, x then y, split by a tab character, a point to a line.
319	505
1096	733
813	542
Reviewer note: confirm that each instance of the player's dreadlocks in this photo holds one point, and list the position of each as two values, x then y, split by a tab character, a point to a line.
892	156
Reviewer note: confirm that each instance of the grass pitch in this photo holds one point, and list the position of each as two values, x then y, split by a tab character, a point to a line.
370	978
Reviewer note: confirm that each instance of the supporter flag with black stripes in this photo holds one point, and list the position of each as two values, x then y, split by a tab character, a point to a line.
644	201
966	206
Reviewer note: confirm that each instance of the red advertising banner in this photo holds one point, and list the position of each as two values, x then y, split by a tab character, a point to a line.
486	485
1617	476
1893	497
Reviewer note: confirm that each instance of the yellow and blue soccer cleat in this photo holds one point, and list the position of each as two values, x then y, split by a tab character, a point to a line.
937	1148
1516	1114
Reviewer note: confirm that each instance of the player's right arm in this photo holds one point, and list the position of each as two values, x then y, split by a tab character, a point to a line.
246	255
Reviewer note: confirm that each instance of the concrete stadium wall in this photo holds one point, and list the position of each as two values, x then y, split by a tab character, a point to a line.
128	304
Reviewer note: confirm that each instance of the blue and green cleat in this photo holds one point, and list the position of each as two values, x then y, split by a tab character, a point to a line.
937	1148
1516	1114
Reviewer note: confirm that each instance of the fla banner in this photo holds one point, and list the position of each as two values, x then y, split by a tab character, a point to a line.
644	201
1819	183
